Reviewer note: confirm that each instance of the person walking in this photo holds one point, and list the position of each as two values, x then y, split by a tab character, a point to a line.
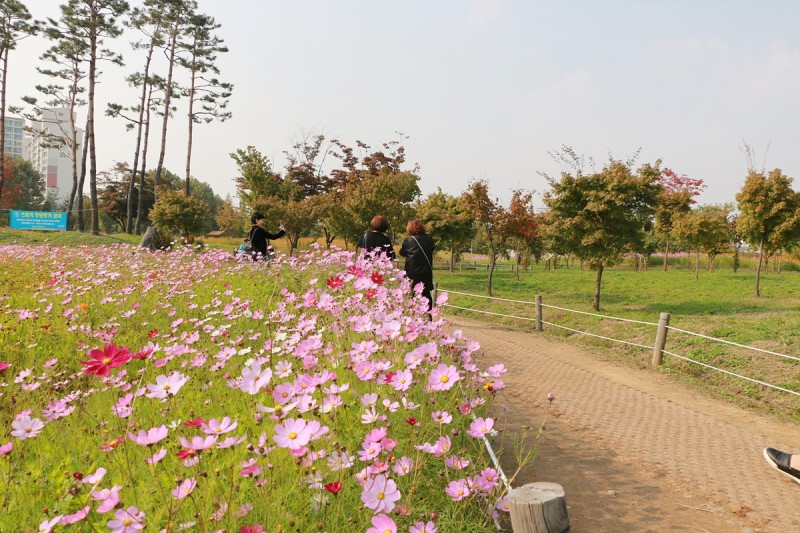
418	249
259	237
375	241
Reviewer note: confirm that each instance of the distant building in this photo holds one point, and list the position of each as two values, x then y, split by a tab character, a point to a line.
15	136
51	160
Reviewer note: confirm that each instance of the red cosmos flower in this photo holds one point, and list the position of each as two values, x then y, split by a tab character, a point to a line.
45	326
77	475
412	421
334	487
4	365
113	443
144	353
356	271
152	333
196	423
335	282
101	361
377	278
185	454
370	294
389	376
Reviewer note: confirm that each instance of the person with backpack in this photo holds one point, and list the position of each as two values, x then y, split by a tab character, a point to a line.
375	241
418	249
258	238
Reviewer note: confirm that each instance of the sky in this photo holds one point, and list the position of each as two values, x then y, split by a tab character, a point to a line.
486	89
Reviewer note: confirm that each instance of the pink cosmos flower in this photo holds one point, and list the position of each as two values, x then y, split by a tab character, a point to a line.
254	379
166	385
457	490
293	433
423	527
149	437
26	427
443	377
6	448
198	444
442	417
382	524
47	525
127	521
184	489
97	477
217	427
75	517
108	498
403	466
4	365
379	494
157	456
480	427
402	380
101	361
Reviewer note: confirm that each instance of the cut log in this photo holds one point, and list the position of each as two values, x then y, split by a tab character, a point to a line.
538	508
149	240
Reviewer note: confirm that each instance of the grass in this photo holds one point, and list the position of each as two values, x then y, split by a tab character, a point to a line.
720	304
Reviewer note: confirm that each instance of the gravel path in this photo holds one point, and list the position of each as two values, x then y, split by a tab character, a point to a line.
635	450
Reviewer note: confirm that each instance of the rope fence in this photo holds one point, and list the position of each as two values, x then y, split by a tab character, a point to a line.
660	340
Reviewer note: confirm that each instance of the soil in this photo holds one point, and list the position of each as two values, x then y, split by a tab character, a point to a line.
635	450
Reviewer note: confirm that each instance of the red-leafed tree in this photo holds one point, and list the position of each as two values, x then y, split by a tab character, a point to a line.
521	225
676	199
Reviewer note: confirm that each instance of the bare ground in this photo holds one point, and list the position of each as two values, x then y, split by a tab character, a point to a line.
634	449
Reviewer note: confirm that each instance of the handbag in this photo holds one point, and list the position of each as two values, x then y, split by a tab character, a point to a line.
247	246
423	252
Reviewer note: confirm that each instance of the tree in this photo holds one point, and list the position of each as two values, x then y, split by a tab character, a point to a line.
67	58
174	211
448	221
704	229
491	216
677	192
16	23
601	216
256	178
229	219
24	187
92	21
521	225
207	95
176	16
769	214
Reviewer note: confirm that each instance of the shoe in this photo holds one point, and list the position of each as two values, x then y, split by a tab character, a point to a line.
780	461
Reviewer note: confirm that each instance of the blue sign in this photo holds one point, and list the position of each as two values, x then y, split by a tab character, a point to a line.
39	220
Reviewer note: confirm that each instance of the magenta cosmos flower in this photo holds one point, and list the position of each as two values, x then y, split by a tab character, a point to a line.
26	427
101	361
292	434
382	524
443	377
6	448
379	494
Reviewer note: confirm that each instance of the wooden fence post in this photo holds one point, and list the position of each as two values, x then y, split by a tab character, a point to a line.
538	312
661	339
435	292
538	508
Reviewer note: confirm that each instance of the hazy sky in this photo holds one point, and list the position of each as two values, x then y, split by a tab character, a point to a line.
486	88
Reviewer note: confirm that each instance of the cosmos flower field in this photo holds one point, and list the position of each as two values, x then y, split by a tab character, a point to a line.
187	390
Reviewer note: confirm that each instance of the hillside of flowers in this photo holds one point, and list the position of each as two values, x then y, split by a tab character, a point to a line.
190	391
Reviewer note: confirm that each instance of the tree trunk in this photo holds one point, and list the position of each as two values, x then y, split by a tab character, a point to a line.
143	103
143	173
758	270
81	181
697	264
491	270
4	59
596	305
780	261
167	102
519	261
191	130
90	132
666	253
452	258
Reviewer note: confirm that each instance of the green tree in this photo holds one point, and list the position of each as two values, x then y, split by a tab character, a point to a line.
206	94
256	178
16	23
229	219
675	200
601	216
448	221
174	211
769	214
704	229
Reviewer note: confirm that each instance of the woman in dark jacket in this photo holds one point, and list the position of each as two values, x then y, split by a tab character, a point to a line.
375	241
417	248
259	237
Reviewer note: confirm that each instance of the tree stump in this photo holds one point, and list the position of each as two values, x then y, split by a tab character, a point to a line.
538	508
149	239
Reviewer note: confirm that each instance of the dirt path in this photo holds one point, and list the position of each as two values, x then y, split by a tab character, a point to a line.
634	450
